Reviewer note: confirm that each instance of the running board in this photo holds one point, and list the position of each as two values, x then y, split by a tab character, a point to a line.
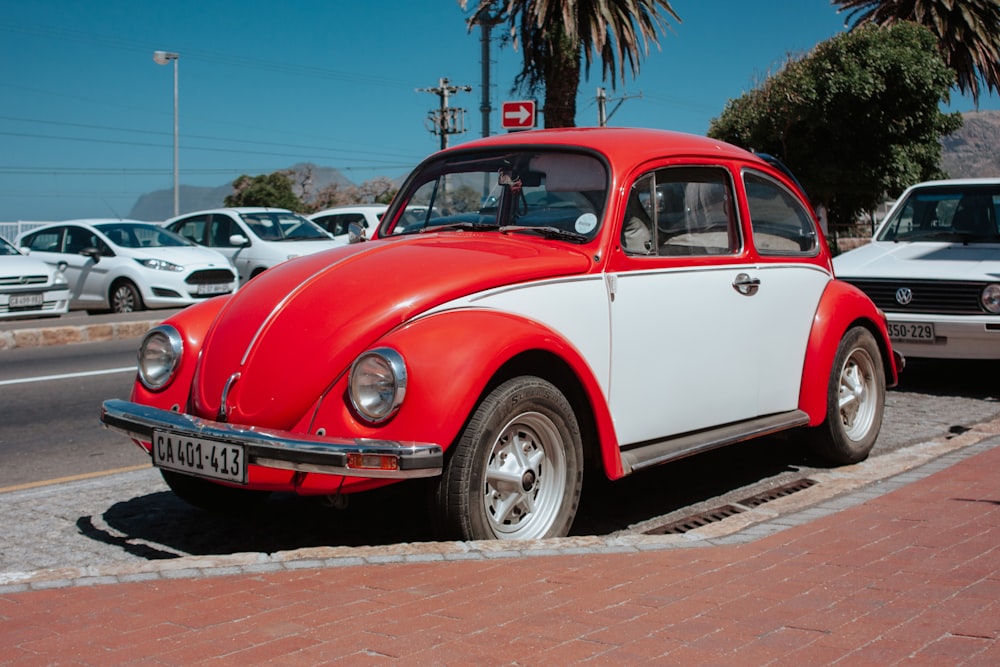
654	453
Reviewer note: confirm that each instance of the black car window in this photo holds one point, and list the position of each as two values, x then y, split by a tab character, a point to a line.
781	224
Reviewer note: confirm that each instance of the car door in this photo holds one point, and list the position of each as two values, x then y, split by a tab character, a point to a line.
220	232
704	333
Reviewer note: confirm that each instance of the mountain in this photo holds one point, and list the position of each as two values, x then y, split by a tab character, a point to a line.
159	205
974	150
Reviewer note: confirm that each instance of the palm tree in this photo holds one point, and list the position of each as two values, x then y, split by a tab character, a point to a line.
968	33
555	34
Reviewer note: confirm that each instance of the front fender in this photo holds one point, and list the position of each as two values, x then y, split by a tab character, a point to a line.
841	307
452	358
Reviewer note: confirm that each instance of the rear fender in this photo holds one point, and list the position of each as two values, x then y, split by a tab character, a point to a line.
841	307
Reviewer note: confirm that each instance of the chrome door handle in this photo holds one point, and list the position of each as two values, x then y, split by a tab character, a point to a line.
746	285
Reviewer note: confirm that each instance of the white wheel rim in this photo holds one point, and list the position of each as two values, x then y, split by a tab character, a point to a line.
525	478
857	397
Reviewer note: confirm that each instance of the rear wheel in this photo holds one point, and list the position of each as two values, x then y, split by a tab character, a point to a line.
517	470
855	400
125	297
210	496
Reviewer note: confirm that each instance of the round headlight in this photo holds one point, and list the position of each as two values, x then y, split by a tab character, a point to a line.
378	384
991	298
159	357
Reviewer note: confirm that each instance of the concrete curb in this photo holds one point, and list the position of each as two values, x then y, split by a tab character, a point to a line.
42	336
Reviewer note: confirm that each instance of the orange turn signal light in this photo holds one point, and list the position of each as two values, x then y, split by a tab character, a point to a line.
372	461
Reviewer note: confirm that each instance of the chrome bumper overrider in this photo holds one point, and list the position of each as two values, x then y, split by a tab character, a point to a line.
279	449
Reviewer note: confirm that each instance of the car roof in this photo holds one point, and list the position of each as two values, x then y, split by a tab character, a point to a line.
631	144
232	209
953	182
353	207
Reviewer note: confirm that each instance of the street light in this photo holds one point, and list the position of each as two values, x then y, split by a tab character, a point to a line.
162	58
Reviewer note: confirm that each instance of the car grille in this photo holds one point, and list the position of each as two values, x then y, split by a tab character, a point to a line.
209	276
23	280
929	296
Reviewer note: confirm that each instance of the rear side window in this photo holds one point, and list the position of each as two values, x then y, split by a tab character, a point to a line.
781	224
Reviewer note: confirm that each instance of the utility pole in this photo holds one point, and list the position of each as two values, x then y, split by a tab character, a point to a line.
486	24
446	120
602	100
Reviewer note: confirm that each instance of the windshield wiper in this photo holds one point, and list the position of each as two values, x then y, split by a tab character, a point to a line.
462	226
547	232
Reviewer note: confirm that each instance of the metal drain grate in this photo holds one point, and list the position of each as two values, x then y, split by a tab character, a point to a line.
726	511
779	492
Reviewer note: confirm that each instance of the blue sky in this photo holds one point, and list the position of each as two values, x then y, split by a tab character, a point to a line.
86	123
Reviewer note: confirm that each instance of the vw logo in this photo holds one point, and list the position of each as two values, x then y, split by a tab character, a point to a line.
904	295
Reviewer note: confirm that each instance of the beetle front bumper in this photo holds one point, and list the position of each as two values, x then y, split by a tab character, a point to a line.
283	449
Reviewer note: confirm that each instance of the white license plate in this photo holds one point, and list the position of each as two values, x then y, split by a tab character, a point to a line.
197	456
25	301
215	288
911	332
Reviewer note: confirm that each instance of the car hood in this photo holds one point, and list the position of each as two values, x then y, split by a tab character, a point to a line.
293	330
920	261
182	255
15	266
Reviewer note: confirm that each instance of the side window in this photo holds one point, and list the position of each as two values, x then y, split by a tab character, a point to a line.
193	228
78	238
687	211
49	240
781	224
220	230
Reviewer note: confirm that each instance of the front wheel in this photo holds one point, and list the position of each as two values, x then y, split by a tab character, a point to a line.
516	472
855	400
125	298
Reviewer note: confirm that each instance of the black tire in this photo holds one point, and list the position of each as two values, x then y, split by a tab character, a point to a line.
210	496
516	471
125	298
855	400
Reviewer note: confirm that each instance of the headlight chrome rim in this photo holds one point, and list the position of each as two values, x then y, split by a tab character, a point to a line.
990	298
377	384
159	356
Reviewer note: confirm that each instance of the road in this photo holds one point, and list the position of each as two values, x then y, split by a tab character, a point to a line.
51	397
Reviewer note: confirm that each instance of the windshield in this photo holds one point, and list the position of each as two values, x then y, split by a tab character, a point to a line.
555	193
6	248
952	213
283	226
132	235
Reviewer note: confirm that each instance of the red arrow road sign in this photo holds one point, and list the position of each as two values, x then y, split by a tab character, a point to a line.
518	115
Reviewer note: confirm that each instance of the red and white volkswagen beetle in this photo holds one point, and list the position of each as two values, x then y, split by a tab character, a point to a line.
546	303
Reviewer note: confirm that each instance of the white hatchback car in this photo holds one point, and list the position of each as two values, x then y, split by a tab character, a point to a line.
127	265
29	287
253	238
934	268
337	219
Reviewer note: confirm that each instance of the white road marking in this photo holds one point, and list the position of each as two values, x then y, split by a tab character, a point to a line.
66	376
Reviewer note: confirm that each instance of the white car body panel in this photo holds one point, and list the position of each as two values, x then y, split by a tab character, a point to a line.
631	348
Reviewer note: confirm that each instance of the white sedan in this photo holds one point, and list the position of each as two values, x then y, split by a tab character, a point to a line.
934	268
127	265
29	287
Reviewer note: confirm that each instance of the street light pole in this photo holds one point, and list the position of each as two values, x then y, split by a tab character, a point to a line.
162	58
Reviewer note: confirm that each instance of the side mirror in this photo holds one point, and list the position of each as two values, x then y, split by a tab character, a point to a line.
355	233
24	250
239	240
92	253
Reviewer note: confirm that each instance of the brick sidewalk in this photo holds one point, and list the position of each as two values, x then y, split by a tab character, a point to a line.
910	577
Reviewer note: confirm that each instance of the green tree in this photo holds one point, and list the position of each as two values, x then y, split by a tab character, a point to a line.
275	190
555	36
856	118
967	32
